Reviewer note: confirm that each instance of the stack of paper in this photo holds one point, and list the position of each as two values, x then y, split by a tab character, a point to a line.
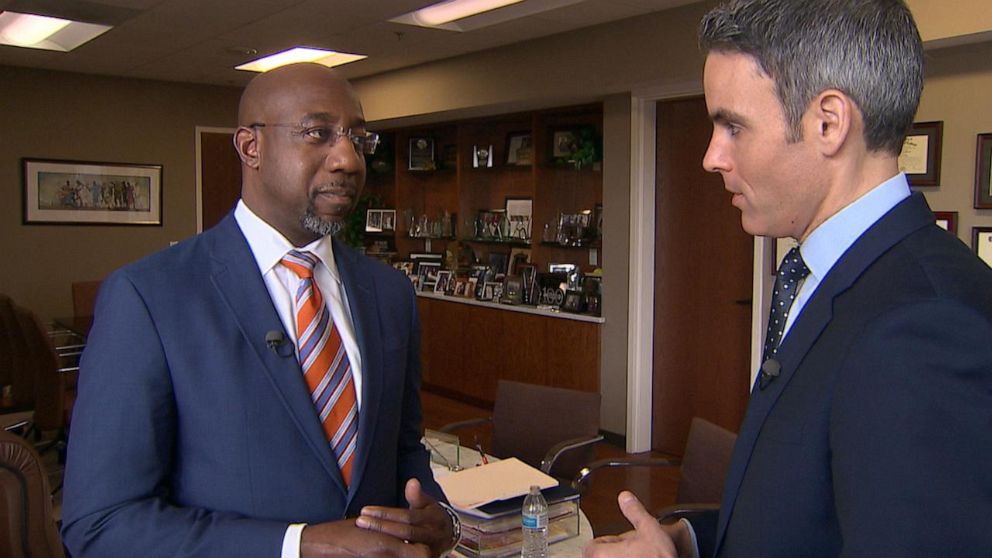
501	480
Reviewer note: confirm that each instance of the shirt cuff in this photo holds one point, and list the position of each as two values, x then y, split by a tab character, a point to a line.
692	537
291	541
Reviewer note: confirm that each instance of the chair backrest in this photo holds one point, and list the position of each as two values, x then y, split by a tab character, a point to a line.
529	419
42	367
704	465
27	526
84	298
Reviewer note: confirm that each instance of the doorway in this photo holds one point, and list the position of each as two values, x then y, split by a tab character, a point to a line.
703	285
218	175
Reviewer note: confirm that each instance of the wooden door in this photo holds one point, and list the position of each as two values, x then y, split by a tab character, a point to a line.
220	176
703	276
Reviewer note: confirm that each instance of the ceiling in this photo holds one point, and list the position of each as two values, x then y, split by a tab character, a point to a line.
200	41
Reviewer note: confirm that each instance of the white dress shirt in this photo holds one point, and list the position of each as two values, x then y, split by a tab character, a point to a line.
269	246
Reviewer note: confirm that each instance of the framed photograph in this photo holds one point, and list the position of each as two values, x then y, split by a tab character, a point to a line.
498	261
981	241
428	272
983	180
564	143
460	285
471	284
405	266
947	220
82	193
373	220
388	219
518	217
572	301
443	278
482	156
421	154
487	291
920	156
519	149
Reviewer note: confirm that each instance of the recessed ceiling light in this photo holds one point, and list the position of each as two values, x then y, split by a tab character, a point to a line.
327	58
47	33
453	10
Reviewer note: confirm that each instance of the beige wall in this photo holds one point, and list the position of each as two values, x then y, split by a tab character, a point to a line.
956	91
56	115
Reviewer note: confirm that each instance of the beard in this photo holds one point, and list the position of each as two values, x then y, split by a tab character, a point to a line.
318	225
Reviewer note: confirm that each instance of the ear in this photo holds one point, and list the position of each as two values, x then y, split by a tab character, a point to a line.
246	144
834	117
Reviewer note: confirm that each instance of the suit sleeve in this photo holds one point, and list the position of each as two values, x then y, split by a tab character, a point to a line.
414	460
910	442
122	446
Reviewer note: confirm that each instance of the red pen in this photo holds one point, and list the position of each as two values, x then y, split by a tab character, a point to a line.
482	454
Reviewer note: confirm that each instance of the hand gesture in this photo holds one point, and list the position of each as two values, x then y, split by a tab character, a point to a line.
649	539
425	522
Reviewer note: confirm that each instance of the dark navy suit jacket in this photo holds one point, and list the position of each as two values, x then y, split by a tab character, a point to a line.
876	439
190	437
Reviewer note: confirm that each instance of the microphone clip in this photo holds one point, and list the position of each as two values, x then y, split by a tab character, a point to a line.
770	369
277	343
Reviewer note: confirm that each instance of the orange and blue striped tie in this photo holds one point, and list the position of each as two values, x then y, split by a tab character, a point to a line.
325	363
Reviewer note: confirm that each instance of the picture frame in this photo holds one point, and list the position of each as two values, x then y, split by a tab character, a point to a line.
564	143
519	216
572	302
443	278
471	284
64	192
921	153
421	154
388	220
460	285
518	257
519	149
482	156
981	243
373	220
947	220
983	178
498	261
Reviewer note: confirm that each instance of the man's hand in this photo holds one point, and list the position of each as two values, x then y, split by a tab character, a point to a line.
649	539
425	522
340	539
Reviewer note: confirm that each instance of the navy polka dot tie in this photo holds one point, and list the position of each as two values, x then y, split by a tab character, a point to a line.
792	270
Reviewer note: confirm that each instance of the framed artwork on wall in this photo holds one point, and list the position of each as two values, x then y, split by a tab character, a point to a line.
921	153
60	192
983	179
947	220
981	242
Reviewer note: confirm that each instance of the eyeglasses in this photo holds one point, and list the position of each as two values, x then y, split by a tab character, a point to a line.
364	142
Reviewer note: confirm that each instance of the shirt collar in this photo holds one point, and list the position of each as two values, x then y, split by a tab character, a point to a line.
828	242
269	245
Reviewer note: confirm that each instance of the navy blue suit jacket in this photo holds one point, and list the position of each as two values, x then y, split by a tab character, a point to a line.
876	439
190	437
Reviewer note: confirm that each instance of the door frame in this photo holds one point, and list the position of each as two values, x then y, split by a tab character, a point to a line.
640	325
199	131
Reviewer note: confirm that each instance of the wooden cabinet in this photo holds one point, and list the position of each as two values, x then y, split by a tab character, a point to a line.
466	348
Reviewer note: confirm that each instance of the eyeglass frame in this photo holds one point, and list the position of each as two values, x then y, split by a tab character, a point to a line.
369	139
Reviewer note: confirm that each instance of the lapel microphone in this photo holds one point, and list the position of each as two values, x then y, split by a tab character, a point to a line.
276	342
769	371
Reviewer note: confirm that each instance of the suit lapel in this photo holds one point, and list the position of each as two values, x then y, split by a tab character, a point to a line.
909	215
235	276
359	287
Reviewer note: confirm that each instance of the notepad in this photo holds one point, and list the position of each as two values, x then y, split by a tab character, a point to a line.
501	480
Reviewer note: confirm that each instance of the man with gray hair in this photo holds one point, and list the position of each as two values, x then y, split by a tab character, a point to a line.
867	430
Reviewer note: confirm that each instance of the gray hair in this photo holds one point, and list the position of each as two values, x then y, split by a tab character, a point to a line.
869	49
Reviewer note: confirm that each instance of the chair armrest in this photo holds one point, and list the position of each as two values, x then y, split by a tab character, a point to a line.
561	447
580	478
675	512
451	427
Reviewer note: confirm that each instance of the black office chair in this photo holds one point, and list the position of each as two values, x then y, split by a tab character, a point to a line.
550	428
702	469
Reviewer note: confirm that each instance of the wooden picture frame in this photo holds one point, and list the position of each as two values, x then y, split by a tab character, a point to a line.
519	149
947	220
564	143
63	192
983	178
519	217
373	220
421	154
921	153
981	243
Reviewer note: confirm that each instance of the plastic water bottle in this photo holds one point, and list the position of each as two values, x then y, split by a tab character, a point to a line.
534	519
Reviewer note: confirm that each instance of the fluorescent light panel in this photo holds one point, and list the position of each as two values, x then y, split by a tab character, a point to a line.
453	10
327	58
47	33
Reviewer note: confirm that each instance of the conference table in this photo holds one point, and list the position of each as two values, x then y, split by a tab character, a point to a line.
445	454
